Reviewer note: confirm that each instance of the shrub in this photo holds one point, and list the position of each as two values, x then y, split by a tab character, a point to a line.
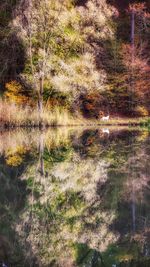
141	111
15	93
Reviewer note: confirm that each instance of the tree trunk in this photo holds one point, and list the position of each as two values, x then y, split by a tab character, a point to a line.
132	56
40	99
132	33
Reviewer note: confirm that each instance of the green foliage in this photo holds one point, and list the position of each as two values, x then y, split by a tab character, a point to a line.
53	98
145	123
58	154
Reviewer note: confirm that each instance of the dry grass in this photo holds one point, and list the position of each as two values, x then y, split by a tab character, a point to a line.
12	115
52	137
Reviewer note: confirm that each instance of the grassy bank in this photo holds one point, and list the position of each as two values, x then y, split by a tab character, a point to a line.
16	116
12	115
145	122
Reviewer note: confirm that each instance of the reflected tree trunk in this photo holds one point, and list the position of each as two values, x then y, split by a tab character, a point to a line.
133	210
41	154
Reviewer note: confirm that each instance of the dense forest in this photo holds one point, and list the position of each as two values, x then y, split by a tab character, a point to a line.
68	60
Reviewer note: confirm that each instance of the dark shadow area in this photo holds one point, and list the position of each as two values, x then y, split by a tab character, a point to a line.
13	194
110	56
124	4
12	51
94	258
123	20
86	255
80	2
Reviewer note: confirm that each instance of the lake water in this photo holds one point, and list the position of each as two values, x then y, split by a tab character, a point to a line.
75	197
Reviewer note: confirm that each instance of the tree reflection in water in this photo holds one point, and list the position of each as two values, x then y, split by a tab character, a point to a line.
75	198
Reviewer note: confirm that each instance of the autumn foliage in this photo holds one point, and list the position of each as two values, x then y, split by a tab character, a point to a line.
15	93
81	56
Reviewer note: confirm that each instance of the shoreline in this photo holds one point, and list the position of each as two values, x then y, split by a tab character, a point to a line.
112	123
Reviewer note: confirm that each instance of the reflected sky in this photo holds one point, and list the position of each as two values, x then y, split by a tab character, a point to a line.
75	197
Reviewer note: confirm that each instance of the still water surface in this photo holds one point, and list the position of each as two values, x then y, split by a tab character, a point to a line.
75	197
